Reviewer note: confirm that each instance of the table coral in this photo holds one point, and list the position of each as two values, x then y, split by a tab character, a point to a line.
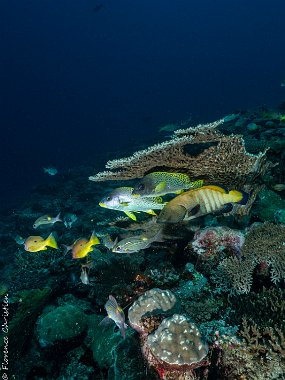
201	152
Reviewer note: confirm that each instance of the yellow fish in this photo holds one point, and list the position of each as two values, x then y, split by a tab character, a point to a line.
81	247
198	202
37	243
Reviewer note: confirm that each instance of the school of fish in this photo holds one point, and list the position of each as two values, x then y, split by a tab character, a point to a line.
189	200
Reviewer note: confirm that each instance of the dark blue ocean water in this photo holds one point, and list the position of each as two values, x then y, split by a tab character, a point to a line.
81	82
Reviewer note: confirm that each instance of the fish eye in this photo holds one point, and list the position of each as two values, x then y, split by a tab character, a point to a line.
118	248
108	199
141	186
35	241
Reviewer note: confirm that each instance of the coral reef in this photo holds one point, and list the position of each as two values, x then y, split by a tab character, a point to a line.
221	276
214	240
264	244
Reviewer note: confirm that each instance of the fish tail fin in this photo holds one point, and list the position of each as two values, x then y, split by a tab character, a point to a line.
58	218
123	331
66	248
239	196
94	239
158	237
51	242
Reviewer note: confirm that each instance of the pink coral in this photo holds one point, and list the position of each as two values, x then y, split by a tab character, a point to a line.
213	240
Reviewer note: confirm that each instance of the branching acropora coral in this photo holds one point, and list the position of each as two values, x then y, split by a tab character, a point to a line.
264	244
201	152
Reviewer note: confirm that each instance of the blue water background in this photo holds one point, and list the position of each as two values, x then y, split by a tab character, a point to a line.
79	86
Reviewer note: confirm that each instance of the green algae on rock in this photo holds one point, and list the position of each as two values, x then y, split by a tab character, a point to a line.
62	323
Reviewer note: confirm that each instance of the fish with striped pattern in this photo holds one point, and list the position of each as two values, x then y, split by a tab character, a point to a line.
199	202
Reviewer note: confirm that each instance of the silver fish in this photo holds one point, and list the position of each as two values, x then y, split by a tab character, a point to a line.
135	243
115	313
121	199
84	276
46	220
50	170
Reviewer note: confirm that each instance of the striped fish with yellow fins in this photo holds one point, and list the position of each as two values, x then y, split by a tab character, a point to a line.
198	202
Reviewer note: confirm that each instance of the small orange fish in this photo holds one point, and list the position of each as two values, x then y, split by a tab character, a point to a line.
37	243
81	247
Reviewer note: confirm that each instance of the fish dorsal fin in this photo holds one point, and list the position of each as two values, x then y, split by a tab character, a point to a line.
112	301
160	187
196	184
130	215
179	192
213	187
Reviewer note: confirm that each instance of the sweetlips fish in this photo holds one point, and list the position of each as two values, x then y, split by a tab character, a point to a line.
50	170
121	199
81	247
115	313
198	202
46	220
136	243
37	243
161	183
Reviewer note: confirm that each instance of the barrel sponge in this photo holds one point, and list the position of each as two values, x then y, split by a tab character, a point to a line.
176	343
152	302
